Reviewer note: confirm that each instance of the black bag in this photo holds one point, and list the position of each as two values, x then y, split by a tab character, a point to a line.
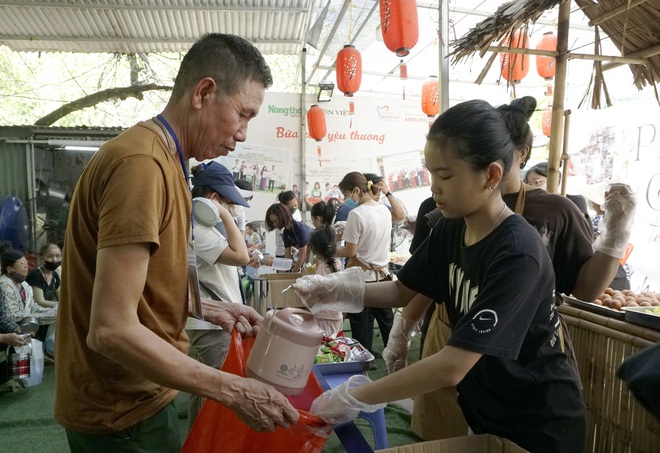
641	372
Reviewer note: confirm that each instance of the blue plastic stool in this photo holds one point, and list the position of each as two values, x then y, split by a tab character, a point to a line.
348	434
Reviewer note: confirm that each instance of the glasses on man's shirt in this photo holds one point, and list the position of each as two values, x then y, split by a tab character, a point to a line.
538	182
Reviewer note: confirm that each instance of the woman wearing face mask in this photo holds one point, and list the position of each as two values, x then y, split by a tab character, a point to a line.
18	295
288	199
294	233
367	241
45	280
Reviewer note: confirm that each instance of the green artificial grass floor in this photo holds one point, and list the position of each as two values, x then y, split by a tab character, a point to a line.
27	423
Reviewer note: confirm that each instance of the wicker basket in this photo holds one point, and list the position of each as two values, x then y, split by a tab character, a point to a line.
616	421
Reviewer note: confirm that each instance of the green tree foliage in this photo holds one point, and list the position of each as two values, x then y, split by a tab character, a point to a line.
34	85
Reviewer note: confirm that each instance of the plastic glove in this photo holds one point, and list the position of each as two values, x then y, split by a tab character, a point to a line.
398	345
258	405
342	291
338	406
232	316
619	207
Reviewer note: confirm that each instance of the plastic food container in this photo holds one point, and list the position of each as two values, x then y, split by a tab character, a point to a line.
284	351
644	316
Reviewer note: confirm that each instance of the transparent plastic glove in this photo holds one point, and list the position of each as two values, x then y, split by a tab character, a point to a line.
342	291
398	345
338	406
619	207
232	316
259	405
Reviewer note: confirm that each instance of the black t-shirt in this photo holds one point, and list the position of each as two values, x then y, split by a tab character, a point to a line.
565	232
422	227
36	279
500	301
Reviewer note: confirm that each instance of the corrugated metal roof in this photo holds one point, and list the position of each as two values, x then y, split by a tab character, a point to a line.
134	26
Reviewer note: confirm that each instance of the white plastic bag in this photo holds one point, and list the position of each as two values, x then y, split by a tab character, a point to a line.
49	342
36	365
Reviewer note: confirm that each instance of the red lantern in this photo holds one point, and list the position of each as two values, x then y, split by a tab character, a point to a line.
431	96
546	121
398	22
316	122
515	66
349	70
545	66
316	126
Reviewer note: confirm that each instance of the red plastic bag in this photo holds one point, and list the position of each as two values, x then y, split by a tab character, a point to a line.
218	429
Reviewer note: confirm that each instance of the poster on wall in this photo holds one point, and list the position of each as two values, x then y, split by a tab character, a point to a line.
321	182
405	171
266	168
354	142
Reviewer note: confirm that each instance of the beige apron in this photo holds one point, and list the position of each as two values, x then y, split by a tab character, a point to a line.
381	273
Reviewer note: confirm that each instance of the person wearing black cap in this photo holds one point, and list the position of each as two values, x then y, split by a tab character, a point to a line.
218	256
121	345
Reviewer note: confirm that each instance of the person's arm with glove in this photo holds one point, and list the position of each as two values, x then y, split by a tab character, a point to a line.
347	292
443	369
395	353
617	224
597	272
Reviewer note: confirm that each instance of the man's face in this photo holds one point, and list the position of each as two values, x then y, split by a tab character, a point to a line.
222	121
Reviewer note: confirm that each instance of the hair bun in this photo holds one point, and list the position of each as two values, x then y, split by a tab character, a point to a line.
525	105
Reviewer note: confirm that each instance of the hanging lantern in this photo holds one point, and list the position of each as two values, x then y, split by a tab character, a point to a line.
316	122
349	74
349	70
317	128
431	96
546	121
398	21
515	66
403	75
545	66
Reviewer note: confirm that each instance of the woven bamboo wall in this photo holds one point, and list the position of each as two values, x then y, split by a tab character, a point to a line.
616	421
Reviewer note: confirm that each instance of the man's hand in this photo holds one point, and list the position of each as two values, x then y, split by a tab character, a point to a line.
258	405
232	316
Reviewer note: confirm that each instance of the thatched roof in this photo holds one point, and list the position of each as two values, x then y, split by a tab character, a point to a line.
632	25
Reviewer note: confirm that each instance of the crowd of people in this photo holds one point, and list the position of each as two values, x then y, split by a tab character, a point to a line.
136	291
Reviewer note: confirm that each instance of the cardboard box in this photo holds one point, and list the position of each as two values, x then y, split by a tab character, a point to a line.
482	443
276	284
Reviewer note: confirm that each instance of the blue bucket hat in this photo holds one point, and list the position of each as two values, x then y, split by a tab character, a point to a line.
219	178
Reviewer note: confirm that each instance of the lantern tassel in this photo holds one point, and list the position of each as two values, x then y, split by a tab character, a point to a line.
351	112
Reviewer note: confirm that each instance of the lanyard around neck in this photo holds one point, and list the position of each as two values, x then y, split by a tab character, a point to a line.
179	151
167	126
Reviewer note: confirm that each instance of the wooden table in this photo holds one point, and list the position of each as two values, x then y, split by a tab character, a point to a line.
616	421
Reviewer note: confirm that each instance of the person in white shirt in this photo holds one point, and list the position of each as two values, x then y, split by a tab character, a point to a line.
367	240
218	258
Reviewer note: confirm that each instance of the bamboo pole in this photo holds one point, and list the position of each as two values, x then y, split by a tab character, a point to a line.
559	94
303	131
644	53
573	56
564	155
615	12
